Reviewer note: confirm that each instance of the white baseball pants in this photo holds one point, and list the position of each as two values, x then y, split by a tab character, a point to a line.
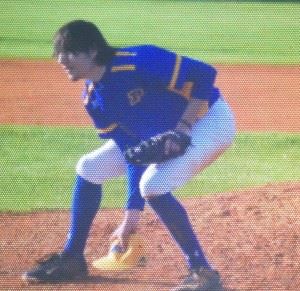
211	136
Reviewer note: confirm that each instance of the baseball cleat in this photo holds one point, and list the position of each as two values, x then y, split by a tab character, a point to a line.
122	260
57	268
201	280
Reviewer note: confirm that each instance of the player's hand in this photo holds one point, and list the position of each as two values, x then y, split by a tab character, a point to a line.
121	235
171	147
159	148
126	228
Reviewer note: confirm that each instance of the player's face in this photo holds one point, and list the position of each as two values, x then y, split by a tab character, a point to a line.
77	65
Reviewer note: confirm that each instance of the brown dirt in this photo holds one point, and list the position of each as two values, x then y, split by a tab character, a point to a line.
262	97
251	236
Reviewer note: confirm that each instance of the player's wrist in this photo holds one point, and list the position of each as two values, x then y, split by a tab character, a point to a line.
184	126
186	123
131	219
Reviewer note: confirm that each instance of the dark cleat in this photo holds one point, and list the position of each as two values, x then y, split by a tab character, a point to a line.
57	268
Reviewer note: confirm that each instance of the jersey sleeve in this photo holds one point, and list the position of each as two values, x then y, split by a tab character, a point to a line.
155	65
181	75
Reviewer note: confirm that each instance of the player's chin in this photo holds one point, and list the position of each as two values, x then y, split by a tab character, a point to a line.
73	77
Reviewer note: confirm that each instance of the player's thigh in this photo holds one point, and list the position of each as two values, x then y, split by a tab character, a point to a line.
211	136
102	164
162	178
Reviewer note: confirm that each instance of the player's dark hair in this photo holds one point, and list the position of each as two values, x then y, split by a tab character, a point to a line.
82	36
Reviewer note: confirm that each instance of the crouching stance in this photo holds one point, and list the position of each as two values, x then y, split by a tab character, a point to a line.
165	121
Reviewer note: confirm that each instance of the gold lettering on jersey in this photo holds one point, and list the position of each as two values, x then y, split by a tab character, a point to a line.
89	91
186	90
122	68
125	54
135	96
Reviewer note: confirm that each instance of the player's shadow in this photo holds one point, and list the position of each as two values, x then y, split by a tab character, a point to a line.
98	279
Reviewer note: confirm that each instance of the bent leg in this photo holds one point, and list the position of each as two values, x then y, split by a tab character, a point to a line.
175	218
210	137
86	200
102	164
92	170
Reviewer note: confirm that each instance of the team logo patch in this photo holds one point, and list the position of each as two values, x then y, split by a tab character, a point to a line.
135	96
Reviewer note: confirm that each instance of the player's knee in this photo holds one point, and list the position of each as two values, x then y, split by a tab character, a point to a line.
149	188
85	169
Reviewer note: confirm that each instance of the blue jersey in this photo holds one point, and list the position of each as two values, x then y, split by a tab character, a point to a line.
144	91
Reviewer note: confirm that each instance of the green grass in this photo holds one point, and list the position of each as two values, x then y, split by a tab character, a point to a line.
38	162
217	32
38	166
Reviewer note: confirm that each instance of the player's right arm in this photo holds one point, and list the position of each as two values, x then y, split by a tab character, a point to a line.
127	228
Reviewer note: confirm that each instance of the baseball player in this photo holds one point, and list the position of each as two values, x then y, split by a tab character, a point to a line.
148	102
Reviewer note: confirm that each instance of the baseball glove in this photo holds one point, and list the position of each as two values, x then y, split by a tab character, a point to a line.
159	148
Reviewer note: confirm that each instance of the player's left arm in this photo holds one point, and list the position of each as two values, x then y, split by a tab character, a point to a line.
191	79
194	81
195	109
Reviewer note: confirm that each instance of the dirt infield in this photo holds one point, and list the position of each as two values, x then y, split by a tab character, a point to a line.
251	236
262	97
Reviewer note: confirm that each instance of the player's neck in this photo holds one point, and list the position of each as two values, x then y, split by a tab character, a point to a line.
97	73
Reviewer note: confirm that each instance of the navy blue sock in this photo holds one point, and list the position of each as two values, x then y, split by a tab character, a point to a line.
175	218
86	200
